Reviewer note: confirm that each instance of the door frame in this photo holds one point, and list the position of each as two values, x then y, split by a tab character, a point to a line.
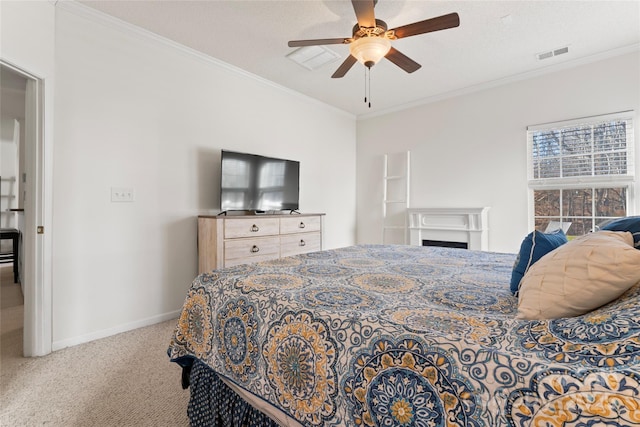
36	277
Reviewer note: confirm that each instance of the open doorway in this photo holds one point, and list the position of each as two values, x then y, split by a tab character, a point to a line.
21	207
13	87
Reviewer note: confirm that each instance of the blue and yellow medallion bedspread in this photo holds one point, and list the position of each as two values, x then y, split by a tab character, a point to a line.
409	336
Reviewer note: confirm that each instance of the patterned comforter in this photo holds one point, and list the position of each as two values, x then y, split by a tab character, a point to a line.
405	335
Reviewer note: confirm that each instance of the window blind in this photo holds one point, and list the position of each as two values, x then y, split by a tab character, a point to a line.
591	150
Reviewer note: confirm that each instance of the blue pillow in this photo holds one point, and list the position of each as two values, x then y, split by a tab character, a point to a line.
533	247
630	224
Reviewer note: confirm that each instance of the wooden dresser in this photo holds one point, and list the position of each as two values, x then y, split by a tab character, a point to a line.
224	241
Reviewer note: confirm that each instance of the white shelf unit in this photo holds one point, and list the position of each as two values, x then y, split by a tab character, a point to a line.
395	199
7	201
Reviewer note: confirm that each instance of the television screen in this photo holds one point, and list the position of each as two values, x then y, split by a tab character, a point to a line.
250	182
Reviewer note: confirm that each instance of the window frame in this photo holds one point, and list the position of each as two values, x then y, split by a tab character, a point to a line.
583	182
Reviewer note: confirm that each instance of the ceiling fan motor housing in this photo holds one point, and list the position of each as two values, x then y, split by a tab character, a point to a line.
378	31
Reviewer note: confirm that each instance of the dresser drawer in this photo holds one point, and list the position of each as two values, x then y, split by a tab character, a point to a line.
250	259
302	224
250	227
294	244
251	250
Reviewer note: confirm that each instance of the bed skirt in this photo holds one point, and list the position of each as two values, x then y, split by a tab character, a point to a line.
213	403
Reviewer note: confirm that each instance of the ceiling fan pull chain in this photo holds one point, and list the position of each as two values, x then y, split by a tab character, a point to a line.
369	87
365	85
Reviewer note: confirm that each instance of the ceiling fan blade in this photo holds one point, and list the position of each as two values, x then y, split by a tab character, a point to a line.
299	43
427	26
344	67
402	60
364	13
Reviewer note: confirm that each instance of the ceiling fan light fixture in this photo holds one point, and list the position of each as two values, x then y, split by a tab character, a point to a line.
369	50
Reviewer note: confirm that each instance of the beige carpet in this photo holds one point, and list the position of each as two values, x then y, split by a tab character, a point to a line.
123	380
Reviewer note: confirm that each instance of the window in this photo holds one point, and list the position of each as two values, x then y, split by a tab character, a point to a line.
581	172
271	184
235	183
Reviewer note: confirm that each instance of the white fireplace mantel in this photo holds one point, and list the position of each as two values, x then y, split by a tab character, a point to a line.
464	225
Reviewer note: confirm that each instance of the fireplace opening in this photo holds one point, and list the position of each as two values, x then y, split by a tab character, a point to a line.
445	244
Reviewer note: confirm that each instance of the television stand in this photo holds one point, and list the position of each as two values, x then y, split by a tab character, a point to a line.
228	240
251	213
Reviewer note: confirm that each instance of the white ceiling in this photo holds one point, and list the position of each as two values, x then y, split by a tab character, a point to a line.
496	41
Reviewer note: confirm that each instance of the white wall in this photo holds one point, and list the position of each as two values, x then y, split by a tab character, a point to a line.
470	151
133	112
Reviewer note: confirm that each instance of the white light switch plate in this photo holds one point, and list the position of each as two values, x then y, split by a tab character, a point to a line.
122	194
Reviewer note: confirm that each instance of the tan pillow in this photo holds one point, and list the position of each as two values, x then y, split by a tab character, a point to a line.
579	276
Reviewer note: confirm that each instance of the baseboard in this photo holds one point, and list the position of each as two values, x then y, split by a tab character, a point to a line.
69	342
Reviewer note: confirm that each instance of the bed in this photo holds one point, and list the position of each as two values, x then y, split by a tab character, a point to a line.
377	335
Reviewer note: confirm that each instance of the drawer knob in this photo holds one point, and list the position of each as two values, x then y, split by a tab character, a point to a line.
255	249
255	228
302	243
301	225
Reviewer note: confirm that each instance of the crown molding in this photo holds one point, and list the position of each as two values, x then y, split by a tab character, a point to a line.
95	15
506	80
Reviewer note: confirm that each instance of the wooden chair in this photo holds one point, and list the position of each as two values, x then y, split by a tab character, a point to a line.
14	235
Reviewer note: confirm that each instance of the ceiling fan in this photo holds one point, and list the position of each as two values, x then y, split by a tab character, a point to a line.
371	41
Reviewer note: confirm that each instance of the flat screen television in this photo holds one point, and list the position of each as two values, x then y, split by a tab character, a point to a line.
249	182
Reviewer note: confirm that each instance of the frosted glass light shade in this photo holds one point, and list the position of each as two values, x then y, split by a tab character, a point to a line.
369	50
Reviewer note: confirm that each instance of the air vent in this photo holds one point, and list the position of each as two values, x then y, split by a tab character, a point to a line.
560	51
552	53
313	57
